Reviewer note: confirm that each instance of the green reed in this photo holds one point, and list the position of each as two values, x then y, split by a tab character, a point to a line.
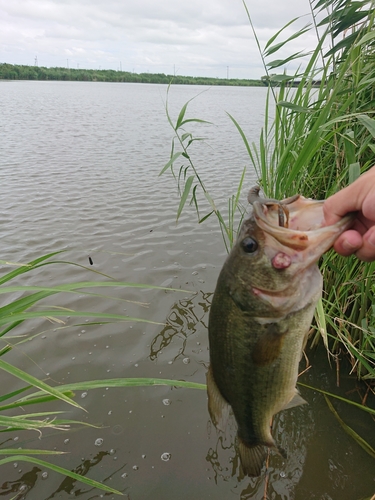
320	139
190	183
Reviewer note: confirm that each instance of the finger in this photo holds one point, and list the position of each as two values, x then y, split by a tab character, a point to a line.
367	251
349	199
348	243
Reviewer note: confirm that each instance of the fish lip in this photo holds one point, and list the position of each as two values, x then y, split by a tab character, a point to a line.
301	239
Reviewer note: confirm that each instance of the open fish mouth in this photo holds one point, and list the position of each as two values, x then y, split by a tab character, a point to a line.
297	222
294	228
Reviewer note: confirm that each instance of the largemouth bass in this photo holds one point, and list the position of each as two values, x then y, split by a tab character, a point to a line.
260	317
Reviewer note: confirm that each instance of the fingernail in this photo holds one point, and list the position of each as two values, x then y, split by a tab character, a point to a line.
346	245
371	239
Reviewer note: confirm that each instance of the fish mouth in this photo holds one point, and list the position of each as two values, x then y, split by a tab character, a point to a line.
297	225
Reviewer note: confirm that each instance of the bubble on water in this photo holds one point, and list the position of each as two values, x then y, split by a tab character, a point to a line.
99	441
83	395
143	456
44	336
73	357
22	488
136	365
66	441
110	412
124	475
15	465
16	438
282	474
44	475
135	467
83	331
194	273
117	429
166	402
186	361
170	362
165	457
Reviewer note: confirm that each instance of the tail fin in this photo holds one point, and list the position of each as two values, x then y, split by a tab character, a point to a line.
252	458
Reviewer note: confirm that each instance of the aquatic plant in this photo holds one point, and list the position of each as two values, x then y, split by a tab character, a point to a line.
190	183
318	136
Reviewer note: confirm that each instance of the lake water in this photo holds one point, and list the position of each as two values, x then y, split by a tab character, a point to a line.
79	166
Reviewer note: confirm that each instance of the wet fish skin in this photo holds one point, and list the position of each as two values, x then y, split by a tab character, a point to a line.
259	321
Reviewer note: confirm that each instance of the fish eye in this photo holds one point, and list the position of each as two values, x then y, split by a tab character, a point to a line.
249	245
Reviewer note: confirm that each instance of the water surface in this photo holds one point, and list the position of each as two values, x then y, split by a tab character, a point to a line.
79	171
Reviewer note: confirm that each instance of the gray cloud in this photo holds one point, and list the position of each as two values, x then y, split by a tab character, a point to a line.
196	37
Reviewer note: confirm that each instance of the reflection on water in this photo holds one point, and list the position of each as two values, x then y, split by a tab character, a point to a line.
20	487
70	486
182	322
292	431
76	488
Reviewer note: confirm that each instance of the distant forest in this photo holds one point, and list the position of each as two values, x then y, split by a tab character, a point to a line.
18	72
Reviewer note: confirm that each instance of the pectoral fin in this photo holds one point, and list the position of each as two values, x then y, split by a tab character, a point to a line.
296	400
218	407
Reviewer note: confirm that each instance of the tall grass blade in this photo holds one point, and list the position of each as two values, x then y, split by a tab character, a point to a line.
29	379
345	400
362	443
185	195
120	382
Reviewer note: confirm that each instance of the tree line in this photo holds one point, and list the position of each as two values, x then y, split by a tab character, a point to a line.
22	72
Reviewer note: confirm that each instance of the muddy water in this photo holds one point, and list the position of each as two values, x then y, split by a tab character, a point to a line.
79	170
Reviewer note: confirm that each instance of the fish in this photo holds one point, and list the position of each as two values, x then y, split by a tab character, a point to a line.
260	317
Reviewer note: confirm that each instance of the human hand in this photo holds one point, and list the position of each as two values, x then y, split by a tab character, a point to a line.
357	197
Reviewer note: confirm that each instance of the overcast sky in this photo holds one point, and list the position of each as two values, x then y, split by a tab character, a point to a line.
186	37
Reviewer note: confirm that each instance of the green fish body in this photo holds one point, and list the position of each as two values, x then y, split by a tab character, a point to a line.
260	318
